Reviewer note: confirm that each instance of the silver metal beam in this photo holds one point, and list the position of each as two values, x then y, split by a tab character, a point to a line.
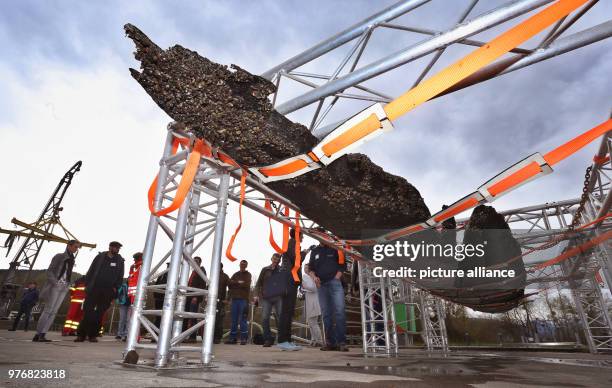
390	13
460	32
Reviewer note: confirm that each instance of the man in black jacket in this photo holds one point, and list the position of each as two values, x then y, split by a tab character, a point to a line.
102	281
288	302
270	295
324	265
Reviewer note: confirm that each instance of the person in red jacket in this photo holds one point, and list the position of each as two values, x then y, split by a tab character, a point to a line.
133	276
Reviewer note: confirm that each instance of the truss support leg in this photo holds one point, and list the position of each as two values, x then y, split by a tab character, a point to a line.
192	219
215	268
168	310
377	313
147	256
432	318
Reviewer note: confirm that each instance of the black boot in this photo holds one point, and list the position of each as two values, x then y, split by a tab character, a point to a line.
41	338
36	337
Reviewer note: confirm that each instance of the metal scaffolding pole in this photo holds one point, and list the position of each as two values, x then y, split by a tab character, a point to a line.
192	218
215	268
168	315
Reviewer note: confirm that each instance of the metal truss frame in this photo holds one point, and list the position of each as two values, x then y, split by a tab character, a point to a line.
580	273
583	271
214	185
433	317
346	81
213	178
187	234
379	332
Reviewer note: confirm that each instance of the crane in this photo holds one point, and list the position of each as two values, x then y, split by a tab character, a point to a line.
36	234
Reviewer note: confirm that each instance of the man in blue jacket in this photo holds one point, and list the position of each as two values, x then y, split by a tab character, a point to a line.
327	272
28	301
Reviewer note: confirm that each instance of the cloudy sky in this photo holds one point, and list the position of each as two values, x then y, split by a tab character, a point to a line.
67	95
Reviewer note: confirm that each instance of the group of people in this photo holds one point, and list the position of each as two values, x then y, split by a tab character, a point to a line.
275	290
103	280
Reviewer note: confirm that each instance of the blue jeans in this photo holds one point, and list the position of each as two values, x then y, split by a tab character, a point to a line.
331	299
267	305
239	313
124	314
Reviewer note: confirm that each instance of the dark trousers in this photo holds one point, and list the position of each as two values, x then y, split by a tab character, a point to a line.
96	303
219	320
23	310
159	304
286	315
187	323
267	306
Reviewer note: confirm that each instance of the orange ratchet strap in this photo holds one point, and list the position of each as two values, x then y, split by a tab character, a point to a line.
200	149
298	253
517	175
377	119
285	231
228	251
189	173
576	250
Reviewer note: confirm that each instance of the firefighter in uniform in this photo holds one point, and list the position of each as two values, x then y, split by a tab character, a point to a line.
75	309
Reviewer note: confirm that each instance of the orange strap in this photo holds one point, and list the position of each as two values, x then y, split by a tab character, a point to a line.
359	131
285	169
576	250
341	258
572	146
285	231
298	253
600	159
189	173
228	251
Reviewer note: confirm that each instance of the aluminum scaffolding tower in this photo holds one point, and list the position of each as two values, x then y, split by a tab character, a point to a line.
431	314
579	274
433	318
200	217
346	83
379	332
583	270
